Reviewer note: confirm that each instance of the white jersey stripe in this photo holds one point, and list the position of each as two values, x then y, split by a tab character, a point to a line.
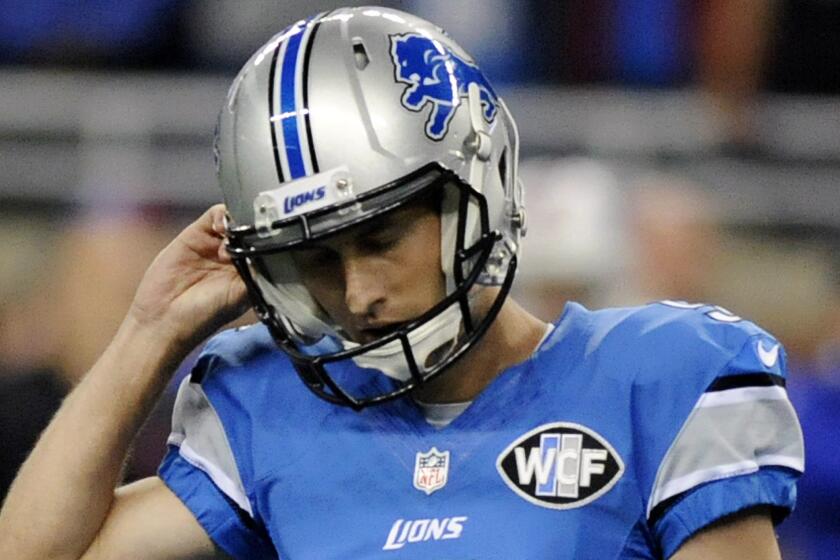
230	488
689	481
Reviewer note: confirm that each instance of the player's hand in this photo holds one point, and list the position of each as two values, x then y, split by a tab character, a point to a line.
192	288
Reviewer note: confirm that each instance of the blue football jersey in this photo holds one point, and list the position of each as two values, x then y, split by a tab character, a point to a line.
627	431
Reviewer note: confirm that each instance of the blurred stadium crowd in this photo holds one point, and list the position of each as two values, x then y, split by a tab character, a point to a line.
673	149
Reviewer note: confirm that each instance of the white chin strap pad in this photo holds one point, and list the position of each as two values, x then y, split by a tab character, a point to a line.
449	221
440	331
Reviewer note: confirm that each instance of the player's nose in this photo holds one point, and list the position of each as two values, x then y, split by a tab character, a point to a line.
364	291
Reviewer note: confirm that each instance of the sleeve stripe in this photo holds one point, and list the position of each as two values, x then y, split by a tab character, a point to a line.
746	380
744	394
730	433
230	488
689	481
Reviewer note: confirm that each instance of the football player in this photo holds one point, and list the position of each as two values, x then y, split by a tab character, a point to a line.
393	402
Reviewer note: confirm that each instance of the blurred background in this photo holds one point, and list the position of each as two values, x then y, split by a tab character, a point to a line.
679	149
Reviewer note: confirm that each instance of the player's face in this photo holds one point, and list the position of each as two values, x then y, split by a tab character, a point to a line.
376	276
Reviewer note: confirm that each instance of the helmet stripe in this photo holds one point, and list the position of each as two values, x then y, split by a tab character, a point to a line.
301	109
288	108
282	116
305	85
271	111
296	155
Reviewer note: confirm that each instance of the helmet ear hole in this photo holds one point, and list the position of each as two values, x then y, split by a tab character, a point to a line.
360	54
438	354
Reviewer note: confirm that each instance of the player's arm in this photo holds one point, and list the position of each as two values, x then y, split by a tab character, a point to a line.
148	521
741	536
63	500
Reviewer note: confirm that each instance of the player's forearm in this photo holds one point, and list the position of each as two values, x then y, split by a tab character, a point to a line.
64	490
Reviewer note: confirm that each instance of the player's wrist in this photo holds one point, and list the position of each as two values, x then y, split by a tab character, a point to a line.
160	340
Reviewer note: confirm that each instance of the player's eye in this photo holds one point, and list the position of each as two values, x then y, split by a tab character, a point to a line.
316	257
381	242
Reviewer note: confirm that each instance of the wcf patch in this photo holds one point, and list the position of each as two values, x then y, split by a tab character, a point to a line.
561	465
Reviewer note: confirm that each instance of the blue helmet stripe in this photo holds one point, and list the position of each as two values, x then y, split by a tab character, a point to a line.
288	109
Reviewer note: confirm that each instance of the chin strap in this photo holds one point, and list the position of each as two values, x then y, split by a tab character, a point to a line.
435	339
478	146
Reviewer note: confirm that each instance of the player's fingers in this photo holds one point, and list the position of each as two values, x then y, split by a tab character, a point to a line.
217	219
223	255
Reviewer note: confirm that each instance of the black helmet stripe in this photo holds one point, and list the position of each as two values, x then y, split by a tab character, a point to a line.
271	112
306	55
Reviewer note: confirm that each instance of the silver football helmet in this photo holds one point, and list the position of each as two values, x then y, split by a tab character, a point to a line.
341	118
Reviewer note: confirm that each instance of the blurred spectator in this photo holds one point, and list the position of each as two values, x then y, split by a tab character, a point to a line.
732	50
779	282
63	298
574	244
123	33
804	57
651	42
65	288
602	240
222	34
734	37
814	529
495	32
30	390
673	241
101	260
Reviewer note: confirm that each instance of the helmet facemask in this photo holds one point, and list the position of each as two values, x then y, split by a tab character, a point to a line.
331	363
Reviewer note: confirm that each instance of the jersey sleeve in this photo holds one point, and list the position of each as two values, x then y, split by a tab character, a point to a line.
201	469
725	436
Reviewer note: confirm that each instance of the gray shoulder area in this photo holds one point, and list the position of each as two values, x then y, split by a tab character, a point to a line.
215	397
201	439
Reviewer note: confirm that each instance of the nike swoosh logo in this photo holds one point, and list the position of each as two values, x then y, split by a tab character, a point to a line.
768	357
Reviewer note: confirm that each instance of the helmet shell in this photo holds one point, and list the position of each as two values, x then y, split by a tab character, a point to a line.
377	90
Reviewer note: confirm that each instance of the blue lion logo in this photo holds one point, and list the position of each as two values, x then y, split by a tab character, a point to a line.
438	76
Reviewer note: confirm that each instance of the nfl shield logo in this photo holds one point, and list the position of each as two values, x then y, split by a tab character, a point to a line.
431	470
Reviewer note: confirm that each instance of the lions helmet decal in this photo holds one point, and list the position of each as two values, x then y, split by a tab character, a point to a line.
437	76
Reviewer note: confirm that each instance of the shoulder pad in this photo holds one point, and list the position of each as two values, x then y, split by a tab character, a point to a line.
672	336
233	348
